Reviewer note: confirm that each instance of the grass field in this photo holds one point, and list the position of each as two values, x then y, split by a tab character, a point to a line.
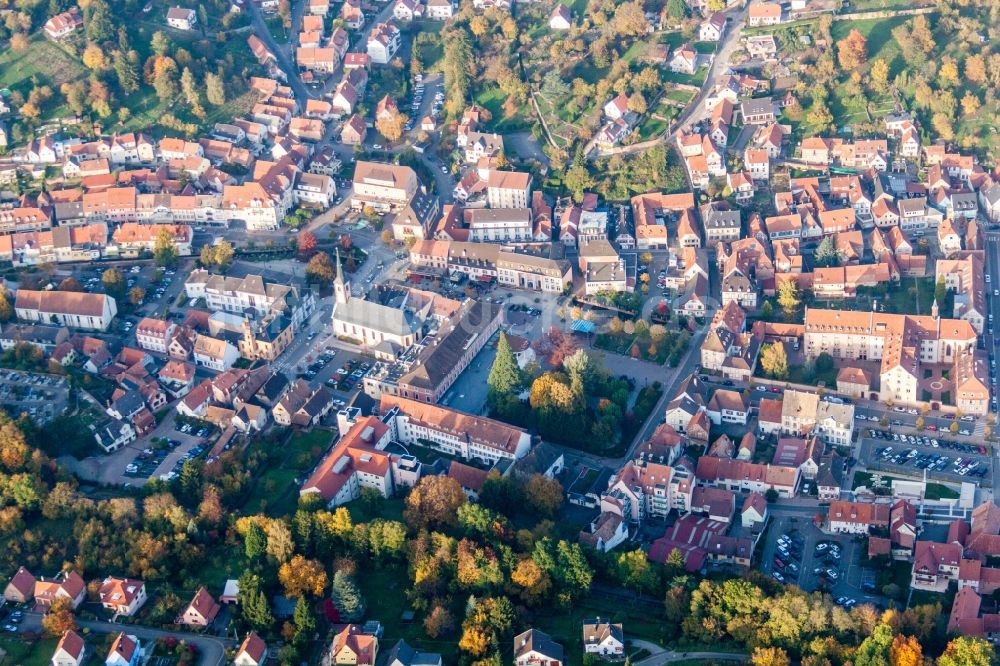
493	98
878	32
655	125
275	492
696	79
23	653
43	60
384	590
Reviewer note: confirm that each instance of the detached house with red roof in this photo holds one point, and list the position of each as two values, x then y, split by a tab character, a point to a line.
711	30
125	651
252	652
66	585
617	108
352	646
123	596
935	565
64	24
71	650
21	588
763	13
684	59
202	610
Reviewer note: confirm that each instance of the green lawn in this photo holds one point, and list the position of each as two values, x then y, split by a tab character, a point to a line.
275	492
696	79
878	32
652	127
937	491
566	627
678	95
492	98
384	590
803	375
44	61
23	653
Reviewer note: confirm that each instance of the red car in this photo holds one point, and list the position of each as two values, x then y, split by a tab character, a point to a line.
932	428
775	389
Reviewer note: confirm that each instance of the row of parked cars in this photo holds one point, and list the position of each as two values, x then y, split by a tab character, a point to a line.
12	620
348	375
826	557
932	461
787	557
924	440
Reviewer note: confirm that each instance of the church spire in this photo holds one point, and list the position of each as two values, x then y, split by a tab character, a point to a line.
341	288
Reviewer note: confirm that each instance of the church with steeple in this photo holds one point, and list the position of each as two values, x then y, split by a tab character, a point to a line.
384	330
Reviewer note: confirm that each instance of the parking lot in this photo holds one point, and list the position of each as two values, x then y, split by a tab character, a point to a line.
800	553
12	619
186	442
161	286
939	457
42	397
157	454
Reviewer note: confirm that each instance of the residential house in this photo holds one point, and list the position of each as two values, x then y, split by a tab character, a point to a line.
763	13
757	111
214	354
122	596
302	405
351	646
935	565
711	29
114	434
182	18
727	406
407	10
70	651
603	638
252	651
402	654
857	517
536	648
617	108
440	10
383	42
757	162
684	59
605	532
66	585
126	650
754	513
561	19
21	588
64	24
201	612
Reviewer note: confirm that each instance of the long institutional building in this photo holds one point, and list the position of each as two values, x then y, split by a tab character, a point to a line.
904	344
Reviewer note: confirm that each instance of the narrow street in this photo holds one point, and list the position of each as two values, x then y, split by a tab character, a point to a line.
262	31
